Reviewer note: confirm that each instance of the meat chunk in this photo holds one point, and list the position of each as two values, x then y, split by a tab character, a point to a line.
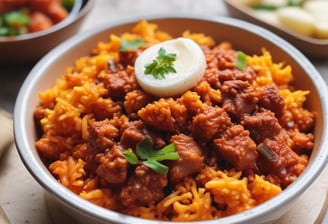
238	148
221	66
101	137
118	82
209	123
298	141
135	131
145	187
132	134
261	125
190	161
128	57
278	159
235	74
221	56
113	167
239	98
272	100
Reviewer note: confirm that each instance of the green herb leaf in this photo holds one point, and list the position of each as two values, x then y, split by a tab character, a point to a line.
157	166
166	153
131	157
145	148
167	156
265	7
151	157
162	65
241	61
131	45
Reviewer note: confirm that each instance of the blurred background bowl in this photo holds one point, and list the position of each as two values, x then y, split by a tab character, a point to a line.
311	47
47	71
30	47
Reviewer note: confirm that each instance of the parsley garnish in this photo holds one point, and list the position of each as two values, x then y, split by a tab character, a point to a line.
241	61
162	65
295	2
265	7
132	44
151	157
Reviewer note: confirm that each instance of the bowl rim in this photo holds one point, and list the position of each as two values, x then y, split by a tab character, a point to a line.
65	195
80	8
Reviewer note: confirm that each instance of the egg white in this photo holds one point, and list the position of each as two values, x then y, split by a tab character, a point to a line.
190	65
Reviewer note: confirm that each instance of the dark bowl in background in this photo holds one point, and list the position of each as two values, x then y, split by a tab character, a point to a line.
29	48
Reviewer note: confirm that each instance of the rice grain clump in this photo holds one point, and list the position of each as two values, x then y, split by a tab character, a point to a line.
242	135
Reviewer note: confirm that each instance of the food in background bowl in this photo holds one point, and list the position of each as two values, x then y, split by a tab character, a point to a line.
28	16
266	16
30	47
236	138
305	17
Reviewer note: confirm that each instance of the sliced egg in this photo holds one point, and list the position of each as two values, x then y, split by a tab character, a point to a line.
297	19
318	8
321	30
190	66
270	17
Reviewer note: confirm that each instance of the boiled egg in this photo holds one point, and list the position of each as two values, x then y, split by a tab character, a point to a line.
297	19
318	8
189	65
321	30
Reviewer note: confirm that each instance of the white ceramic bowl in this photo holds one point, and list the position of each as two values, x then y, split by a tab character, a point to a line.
47	70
